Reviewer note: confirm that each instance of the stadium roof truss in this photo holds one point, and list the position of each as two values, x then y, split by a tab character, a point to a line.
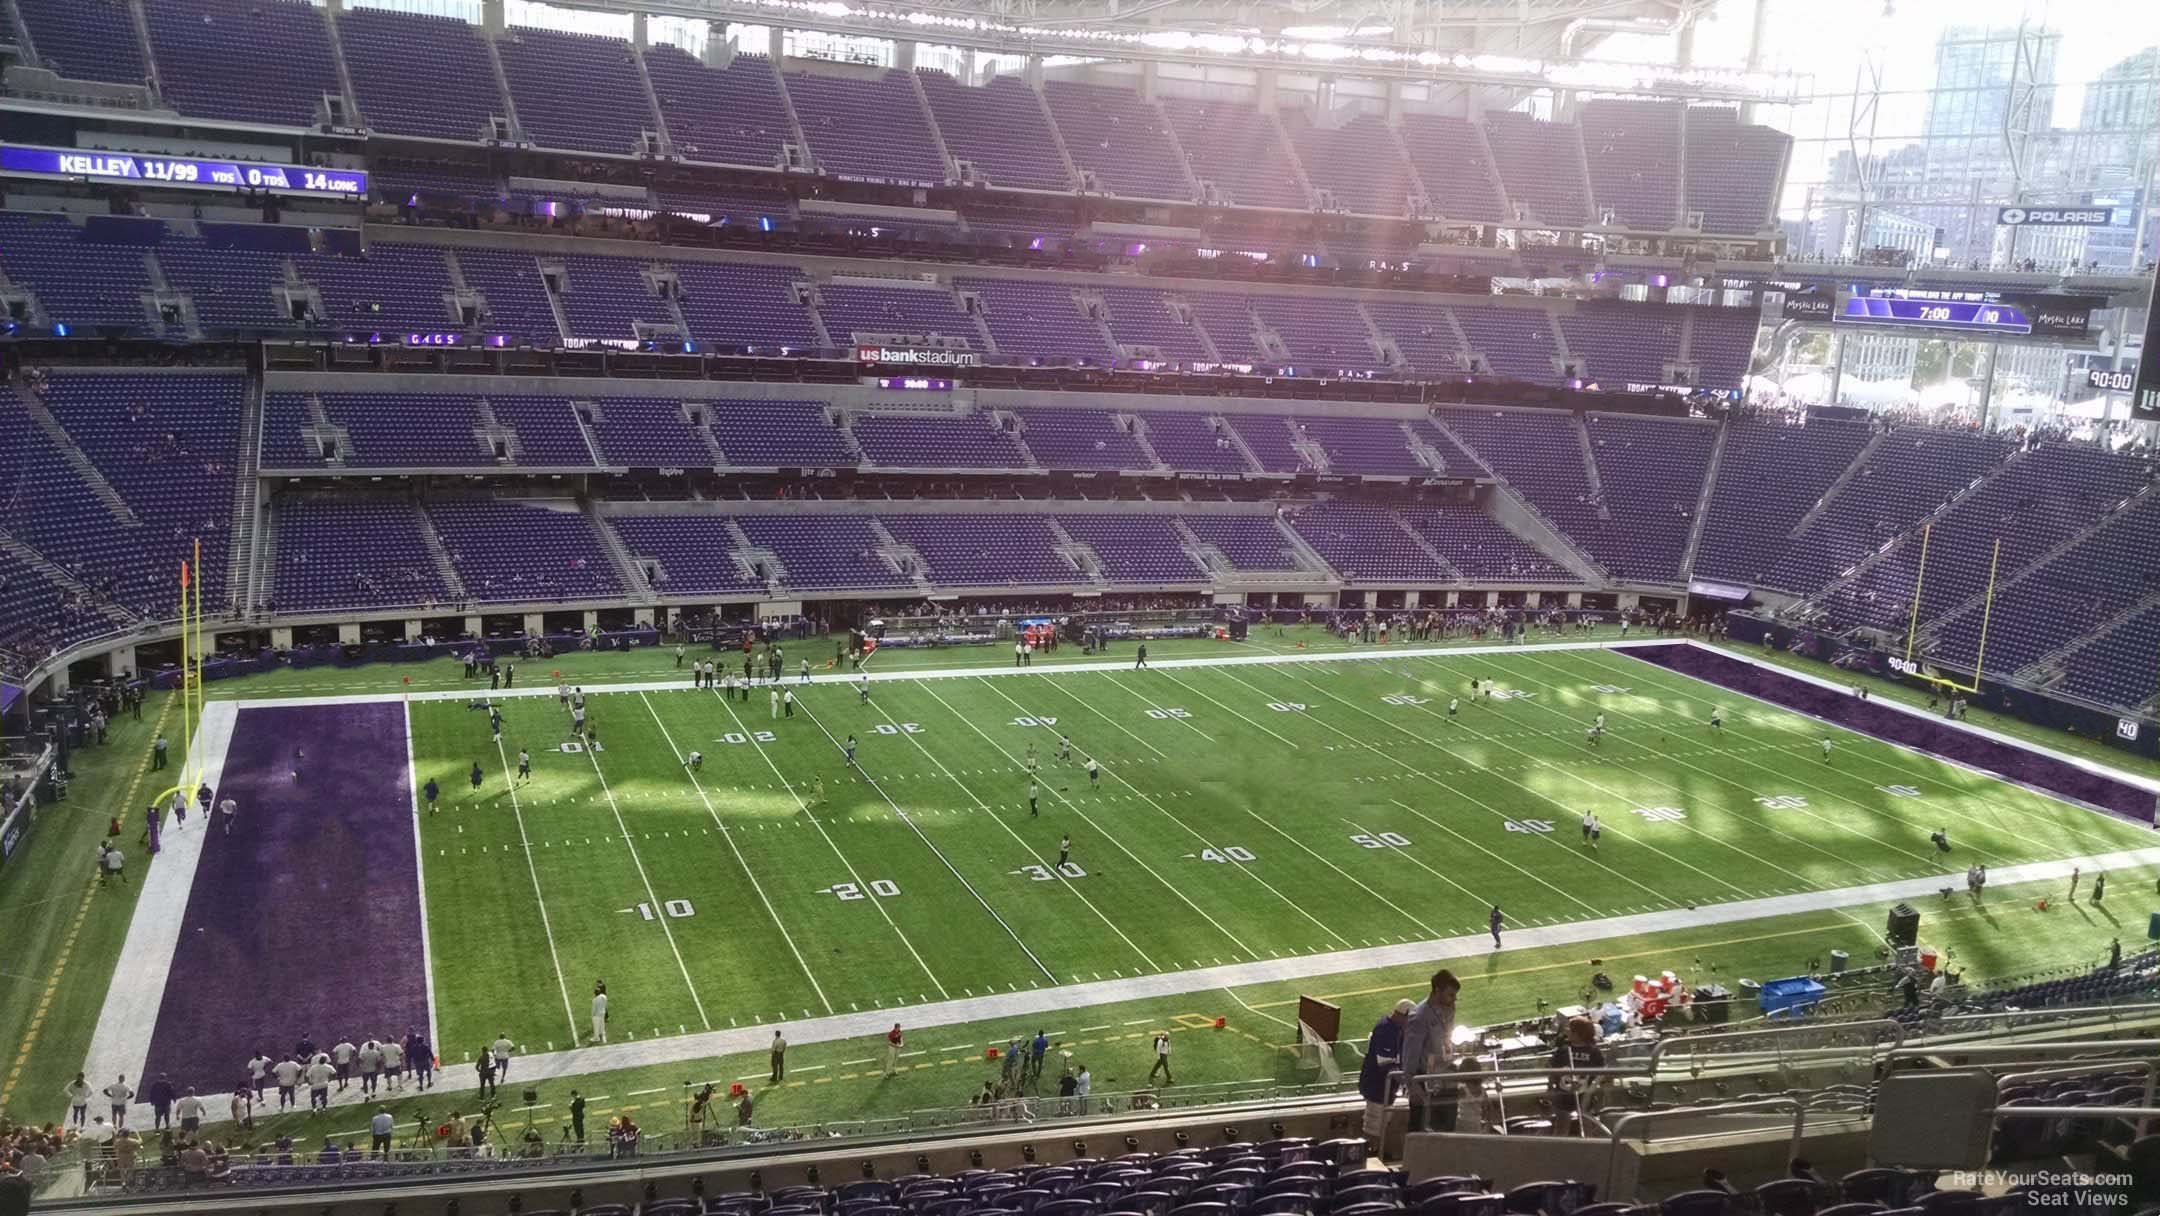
1499	44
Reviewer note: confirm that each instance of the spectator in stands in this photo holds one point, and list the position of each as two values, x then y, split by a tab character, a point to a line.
1383	1056
1428	1036
1571	1094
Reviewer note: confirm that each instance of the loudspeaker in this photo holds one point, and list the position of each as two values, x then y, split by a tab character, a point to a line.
1904	927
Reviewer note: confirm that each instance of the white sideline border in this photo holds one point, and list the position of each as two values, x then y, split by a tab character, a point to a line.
1035	1003
2148	784
427	946
120	1043
121	1040
1374	653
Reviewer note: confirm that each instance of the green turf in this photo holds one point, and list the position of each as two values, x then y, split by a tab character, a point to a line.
1888	689
840	1080
1349	753
64	931
1245	812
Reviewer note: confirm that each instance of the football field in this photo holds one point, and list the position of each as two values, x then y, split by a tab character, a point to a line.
1244	812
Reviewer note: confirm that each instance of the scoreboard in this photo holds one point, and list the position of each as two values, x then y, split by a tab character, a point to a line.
1974	312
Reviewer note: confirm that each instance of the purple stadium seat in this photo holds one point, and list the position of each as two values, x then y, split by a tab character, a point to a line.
964	550
1456	166
1358	163
1119	141
1000	128
729	116
777	434
1038	321
929	441
1240	150
687	554
338	552
85	39
1192	442
86	277
1079	439
1733	170
825	551
576	91
280	48
420	75
1541	166
1633	149
1135	548
867	129
511	552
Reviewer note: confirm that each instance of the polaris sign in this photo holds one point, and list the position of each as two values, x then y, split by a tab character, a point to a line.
2055	217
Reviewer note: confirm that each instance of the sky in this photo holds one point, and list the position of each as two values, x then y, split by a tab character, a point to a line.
1828	39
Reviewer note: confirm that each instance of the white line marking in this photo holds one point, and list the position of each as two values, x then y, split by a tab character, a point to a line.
121	1042
547	929
934	850
651	894
739	859
1017	838
427	950
877	901
872	1024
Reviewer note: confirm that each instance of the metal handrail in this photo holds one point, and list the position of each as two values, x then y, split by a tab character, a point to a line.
670	1144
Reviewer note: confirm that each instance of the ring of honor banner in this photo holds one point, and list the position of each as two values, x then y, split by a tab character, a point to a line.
2145	401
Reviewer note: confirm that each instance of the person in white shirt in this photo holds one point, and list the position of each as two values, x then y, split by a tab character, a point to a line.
774	697
696	761
341	1057
78	1093
502	1048
119	1095
599	1017
319	1075
1083	1083
370	1065
287	1072
189	1109
393	1063
1162	1059
259	1073
99	1131
379	1129
228	810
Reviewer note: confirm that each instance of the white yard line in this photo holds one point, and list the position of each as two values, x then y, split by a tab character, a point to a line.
1040	861
120	1045
869	891
870	1025
1111	837
427	949
650	894
935	851
547	928
729	836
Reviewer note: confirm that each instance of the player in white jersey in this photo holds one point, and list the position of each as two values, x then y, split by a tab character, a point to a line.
696	761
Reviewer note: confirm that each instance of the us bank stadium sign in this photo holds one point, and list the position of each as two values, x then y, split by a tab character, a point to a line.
917	356
2055	217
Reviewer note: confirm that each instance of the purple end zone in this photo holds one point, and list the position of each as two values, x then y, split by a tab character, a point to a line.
2006	760
307	918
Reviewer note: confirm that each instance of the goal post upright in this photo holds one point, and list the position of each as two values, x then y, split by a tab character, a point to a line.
1987	613
1912	626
